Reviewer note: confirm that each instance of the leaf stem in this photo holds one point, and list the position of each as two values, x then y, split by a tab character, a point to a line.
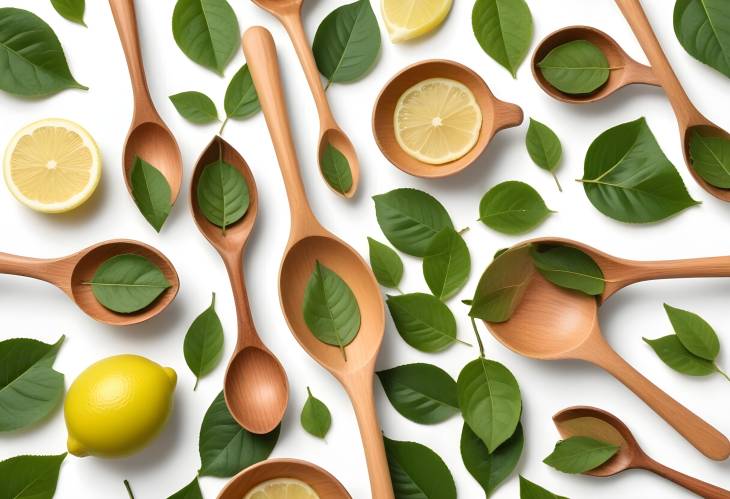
129	489
464	230
197	380
225	122
399	290
476	333
329	84
723	373
560	188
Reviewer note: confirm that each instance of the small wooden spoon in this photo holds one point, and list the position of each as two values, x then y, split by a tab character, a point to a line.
71	274
289	13
624	70
308	243
256	388
689	119
148	138
603	426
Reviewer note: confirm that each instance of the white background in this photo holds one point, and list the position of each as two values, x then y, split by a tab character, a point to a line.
35	309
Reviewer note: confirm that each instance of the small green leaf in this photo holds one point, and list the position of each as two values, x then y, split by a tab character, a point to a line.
203	344
447	265
711	159
195	107
315	417
190	491
580	454
671	351
423	321
512	208
703	29
73	10
529	490
503	28
423	393
694	332
418	472
569	267
336	169
151	192
575	68
241	99
386	264
490	469
223	195
30	477
544	148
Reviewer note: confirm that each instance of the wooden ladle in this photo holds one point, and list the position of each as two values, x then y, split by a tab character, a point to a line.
308	243
256	387
148	137
289	13
72	273
603	426
689	119
624	70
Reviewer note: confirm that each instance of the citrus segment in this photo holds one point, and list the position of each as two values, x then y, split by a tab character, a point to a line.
282	488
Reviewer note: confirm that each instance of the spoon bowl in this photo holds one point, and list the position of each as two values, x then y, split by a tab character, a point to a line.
335	137
496	115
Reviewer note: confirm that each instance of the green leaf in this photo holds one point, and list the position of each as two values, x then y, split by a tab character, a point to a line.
671	351
529	490
703	29
580	454
128	283
226	448
206	31
315	418
241	99
504	30
410	219
387	265
195	107
490	401
347	42
190	491
30	389
423	393
544	147
627	176
336	169
490	469
223	195
711	159
694	332
330	309
151	192
30	477
203	344
576	68
512	208
418	472
73	10
32	62
503	284
447	265
423	321
569	267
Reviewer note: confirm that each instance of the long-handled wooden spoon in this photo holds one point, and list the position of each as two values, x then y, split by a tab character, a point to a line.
72	273
689	119
603	426
289	13
256	387
308	243
624	70
148	138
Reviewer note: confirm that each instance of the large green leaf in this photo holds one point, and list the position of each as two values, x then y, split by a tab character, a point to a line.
190	491
577	67
347	42
203	343
447	265
569	267
512	208
223	195
703	29
418	472
694	332
711	159
73	10
206	31
530	490
410	219
671	351
544	147
30	389
315	417
504	30
196	107
423	393
241	99
627	176
226	448
386	264
423	321
490	469
30	477
336	169
32	62
580	454
151	192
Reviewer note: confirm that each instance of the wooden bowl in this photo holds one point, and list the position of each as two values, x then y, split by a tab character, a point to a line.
496	115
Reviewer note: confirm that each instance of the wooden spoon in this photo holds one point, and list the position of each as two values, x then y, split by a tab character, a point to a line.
289	13
148	138
689	119
624	70
256	387
71	274
603	426
308	243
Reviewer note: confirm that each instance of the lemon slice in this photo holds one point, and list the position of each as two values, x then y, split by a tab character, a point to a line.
52	165
437	121
408	19
282	488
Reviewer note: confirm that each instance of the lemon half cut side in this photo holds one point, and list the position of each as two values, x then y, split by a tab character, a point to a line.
408	19
282	488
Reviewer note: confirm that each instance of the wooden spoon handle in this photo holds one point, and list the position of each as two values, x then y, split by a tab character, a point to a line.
36	268
692	484
247	335
673	269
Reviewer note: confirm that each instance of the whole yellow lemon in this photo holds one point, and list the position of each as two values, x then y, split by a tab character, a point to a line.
118	405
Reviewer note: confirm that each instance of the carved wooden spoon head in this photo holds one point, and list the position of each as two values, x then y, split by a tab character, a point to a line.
706	129
279	7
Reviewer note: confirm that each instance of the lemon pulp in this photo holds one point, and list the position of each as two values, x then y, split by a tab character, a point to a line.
408	19
282	488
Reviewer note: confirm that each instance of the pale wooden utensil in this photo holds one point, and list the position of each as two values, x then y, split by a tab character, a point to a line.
601	425
289	13
72	272
308	243
256	387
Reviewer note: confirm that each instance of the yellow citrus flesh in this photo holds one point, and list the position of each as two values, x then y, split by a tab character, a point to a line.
282	488
52	165
408	19
437	121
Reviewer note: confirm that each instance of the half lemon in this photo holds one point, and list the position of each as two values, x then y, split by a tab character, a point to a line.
52	165
408	19
282	488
